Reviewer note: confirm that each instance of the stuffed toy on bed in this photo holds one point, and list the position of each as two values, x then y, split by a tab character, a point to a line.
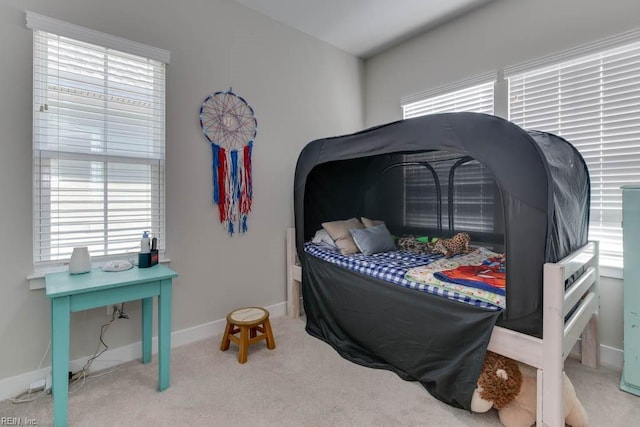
415	245
458	244
510	387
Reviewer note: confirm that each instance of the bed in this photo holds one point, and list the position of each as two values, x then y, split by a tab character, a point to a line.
552	269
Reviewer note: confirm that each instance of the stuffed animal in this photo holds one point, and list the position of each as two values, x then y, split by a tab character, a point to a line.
510	387
458	244
412	244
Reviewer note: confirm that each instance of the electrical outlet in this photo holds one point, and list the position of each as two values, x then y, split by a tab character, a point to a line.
119	308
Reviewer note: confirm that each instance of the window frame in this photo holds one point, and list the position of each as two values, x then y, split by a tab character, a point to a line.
43	156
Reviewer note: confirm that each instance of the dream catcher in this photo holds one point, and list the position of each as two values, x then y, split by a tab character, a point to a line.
230	125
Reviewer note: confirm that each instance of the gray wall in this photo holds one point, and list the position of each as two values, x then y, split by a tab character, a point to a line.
300	88
503	33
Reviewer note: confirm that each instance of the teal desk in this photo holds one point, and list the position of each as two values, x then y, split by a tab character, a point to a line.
97	288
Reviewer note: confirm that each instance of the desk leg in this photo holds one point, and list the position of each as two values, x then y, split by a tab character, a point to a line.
60	319
147	328
164	334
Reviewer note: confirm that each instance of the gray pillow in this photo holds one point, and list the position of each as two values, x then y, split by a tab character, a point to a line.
373	239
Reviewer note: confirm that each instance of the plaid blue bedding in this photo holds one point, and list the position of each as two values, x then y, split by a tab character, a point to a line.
391	267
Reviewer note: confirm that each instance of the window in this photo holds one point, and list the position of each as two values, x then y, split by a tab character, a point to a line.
98	141
474	193
475	95
591	97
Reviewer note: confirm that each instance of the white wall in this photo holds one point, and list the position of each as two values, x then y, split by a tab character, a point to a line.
503	33
300	89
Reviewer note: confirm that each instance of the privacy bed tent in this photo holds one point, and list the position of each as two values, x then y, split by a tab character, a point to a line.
538	203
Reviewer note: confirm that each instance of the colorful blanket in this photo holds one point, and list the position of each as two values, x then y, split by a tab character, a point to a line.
490	275
448	273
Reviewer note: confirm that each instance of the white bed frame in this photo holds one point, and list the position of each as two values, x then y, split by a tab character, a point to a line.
546	355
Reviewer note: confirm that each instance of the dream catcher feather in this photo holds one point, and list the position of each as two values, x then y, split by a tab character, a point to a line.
229	124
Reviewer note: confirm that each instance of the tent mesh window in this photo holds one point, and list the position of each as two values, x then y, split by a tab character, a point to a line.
442	193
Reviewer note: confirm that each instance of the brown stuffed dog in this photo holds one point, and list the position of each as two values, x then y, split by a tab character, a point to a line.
510	387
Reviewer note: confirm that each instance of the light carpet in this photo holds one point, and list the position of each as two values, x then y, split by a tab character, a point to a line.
303	382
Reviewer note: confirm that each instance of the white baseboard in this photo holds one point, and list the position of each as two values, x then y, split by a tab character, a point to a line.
13	385
610	356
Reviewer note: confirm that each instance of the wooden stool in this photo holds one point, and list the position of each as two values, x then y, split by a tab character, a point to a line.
248	321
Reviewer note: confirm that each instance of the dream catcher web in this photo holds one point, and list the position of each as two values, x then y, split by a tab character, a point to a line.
229	124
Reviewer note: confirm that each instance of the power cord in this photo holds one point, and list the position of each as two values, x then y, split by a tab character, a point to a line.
81	375
44	355
123	315
29	396
33	394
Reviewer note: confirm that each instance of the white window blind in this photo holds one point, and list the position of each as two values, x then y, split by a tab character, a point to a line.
473	194
468	95
98	145
594	102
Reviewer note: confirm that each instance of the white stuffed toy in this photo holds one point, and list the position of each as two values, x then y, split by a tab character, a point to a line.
510	387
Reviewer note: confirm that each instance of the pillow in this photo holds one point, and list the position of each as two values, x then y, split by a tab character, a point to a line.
373	239
368	223
323	238
339	232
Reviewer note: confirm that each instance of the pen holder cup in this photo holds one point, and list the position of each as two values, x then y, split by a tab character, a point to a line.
144	260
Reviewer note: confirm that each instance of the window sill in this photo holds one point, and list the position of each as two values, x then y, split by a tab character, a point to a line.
614	272
36	278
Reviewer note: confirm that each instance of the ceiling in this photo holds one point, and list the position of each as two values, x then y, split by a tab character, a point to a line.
363	27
